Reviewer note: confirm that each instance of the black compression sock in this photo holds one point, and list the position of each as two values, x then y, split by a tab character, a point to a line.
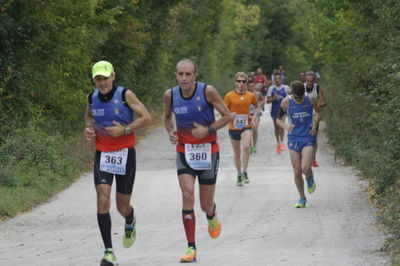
129	218
209	217
104	221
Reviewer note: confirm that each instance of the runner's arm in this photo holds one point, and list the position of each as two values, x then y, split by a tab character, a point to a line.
282	116
257	105
317	116
321	98
215	99
167	118
139	109
89	132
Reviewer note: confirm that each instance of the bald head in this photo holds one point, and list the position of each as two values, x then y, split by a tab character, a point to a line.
186	74
186	63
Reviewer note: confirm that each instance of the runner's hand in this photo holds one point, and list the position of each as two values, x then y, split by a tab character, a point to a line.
173	137
90	133
199	131
313	130
116	130
289	127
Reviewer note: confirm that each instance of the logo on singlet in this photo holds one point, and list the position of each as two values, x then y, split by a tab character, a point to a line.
181	110
98	112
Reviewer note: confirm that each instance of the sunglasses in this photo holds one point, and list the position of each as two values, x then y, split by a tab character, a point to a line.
241	81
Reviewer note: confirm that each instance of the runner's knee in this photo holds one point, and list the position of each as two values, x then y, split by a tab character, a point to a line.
246	146
297	171
103	204
188	196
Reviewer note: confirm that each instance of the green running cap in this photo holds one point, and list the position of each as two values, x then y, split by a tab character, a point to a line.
102	68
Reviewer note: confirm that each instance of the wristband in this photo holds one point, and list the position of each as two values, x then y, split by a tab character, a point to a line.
211	130
127	130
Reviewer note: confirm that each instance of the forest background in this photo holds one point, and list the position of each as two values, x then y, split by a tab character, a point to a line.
48	48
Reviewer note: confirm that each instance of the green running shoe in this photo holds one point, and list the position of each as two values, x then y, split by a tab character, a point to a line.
301	203
246	179
129	234
109	258
253	149
311	185
190	255
239	181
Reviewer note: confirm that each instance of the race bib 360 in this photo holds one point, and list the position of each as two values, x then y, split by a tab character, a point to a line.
198	156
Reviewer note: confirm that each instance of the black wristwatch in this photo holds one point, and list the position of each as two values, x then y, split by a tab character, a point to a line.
211	130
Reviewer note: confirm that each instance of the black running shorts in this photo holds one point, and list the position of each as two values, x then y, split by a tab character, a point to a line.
124	182
236	134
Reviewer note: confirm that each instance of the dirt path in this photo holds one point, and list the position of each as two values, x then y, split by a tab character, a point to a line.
260	225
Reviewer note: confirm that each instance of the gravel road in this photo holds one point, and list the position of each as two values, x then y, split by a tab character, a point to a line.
260	226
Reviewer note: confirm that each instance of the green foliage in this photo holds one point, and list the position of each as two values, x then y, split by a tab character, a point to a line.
31	156
35	163
44	67
49	47
358	43
366	87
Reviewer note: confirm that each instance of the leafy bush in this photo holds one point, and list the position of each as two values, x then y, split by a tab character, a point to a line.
33	161
362	74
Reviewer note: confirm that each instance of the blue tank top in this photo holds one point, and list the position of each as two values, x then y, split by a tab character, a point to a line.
104	113
281	93
190	110
300	115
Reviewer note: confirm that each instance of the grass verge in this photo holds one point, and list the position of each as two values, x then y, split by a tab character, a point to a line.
37	165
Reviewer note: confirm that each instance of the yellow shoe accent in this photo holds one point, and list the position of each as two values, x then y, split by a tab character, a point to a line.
214	227
108	258
190	255
245	179
129	236
239	181
311	186
301	203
